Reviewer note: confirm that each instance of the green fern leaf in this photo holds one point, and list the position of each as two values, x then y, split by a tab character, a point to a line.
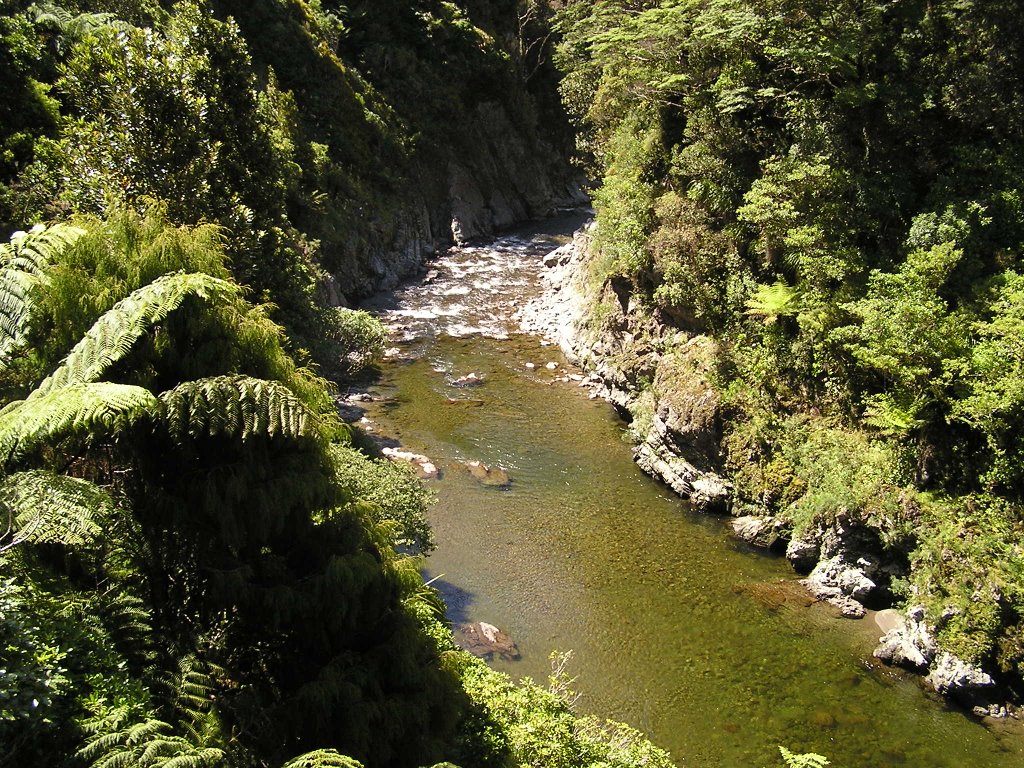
894	416
322	758
130	624
147	744
82	408
771	301
238	406
46	507
23	264
112	336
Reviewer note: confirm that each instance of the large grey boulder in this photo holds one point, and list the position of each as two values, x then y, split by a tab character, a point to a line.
843	584
907	642
803	553
758	531
951	674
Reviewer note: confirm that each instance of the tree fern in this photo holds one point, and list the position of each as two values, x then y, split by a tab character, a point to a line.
146	744
322	758
771	301
80	409
23	262
47	507
234	406
71	25
113	335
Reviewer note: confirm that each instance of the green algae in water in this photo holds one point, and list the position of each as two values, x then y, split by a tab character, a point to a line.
675	629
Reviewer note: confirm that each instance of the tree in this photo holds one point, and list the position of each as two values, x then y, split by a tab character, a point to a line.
178	457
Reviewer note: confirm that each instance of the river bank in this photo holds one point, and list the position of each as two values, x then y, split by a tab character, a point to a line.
660	379
676	627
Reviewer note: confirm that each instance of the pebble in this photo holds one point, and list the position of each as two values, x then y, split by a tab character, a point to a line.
531	366
551	366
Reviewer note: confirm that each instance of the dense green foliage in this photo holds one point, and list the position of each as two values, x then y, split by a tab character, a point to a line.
197	565
833	192
186	499
199	568
318	136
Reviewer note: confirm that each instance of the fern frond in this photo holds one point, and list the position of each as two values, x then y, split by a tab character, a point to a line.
115	333
147	744
323	758
35	250
195	689
234	406
50	508
130	624
894	416
23	264
770	301
82	408
807	760
73	26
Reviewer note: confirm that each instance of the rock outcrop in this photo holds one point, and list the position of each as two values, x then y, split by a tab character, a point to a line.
485	641
667	396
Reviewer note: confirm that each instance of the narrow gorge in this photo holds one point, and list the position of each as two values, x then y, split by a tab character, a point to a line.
676	627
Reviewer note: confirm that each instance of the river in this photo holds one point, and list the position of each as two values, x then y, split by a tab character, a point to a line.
675	628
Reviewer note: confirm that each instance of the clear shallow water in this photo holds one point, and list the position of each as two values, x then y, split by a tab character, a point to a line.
675	628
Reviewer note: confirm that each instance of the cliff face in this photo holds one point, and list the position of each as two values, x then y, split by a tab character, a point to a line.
426	128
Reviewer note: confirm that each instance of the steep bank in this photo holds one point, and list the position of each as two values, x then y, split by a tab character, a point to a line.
664	381
335	144
843	230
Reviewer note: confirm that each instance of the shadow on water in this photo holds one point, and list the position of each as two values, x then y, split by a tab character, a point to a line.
455	597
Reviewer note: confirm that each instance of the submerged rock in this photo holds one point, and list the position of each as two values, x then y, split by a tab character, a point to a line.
491	476
469	380
485	641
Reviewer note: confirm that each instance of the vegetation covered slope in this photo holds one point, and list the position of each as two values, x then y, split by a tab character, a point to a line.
833	193
334	143
197	567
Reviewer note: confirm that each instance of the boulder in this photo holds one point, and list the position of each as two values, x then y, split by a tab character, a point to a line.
841	583
425	468
907	641
951	674
469	380
803	554
485	641
495	477
759	531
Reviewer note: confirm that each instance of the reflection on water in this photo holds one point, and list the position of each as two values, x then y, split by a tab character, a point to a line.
675	628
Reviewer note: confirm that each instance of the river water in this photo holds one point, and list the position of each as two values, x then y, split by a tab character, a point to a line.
712	649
